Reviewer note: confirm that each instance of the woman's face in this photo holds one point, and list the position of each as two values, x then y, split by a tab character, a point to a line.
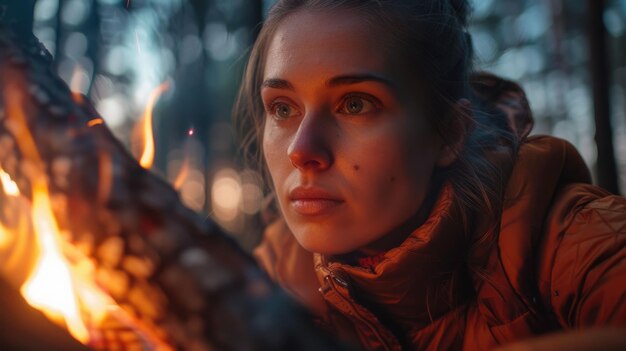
347	145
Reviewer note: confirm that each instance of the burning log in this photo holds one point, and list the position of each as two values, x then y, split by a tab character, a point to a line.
143	271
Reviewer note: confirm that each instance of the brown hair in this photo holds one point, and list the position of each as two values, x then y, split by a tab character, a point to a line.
432	35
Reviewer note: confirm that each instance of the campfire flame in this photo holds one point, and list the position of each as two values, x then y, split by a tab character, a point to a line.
147	156
50	287
4	237
9	186
61	282
11	189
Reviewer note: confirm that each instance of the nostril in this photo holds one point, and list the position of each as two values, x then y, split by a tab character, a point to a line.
312	157
311	163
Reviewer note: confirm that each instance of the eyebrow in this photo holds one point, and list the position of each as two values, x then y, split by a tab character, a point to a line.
349	79
357	78
277	83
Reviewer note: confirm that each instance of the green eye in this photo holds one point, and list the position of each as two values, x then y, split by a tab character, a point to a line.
281	110
355	105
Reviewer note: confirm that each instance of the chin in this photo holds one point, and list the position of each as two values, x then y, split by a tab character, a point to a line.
323	244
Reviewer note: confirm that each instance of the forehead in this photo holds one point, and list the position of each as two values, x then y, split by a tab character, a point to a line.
321	44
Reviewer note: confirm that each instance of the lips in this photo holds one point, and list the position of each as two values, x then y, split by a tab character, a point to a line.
312	201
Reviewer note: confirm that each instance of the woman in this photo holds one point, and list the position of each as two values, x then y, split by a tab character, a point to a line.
413	210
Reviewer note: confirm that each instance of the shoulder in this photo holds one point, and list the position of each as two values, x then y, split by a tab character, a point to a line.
543	167
582	257
564	236
547	162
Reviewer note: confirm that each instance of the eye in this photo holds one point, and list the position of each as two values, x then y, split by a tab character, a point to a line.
281	110
357	105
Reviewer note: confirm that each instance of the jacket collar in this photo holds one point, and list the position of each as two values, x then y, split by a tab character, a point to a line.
419	280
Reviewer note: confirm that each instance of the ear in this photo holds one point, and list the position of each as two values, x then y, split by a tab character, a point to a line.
457	130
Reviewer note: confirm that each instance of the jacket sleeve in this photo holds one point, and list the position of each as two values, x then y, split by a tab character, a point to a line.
582	269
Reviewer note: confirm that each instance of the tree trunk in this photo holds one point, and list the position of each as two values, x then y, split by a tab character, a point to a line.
606	168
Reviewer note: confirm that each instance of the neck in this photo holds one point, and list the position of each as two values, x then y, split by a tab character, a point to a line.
395	237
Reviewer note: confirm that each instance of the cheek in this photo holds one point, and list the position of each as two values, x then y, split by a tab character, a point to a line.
274	147
266	143
396	168
269	151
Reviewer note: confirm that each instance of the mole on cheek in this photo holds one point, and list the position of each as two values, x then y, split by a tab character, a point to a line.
356	167
392	179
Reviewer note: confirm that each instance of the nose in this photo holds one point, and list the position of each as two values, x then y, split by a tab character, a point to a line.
310	148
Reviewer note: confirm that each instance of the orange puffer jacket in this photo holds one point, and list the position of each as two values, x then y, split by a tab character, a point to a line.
559	263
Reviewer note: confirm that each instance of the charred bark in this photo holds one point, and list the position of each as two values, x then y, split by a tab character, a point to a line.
176	272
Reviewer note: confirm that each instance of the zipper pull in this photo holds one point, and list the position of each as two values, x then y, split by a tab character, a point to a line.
337	277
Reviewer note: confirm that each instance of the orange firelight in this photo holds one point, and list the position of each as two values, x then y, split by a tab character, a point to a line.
11	189
95	122
9	186
50	286
61	281
147	156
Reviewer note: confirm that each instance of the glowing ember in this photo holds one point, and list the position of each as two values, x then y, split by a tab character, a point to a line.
147	156
95	122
